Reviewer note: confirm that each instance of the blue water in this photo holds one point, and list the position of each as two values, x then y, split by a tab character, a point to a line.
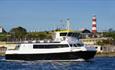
98	63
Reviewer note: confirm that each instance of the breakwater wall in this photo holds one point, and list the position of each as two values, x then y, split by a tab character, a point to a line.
105	54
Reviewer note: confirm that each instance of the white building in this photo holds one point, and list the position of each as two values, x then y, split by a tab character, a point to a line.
93	42
2	29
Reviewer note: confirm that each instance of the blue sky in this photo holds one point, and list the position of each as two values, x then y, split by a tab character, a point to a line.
43	15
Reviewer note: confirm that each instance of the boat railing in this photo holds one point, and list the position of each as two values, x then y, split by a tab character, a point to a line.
41	41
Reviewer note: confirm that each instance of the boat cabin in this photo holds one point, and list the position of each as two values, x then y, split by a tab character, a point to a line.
63	35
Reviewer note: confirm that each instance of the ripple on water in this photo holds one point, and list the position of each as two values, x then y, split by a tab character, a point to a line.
98	63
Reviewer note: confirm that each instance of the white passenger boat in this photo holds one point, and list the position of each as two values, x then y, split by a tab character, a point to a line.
64	46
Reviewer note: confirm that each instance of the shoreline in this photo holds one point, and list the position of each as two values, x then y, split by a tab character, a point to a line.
105	54
2	54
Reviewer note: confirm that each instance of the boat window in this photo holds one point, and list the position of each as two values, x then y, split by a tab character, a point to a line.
38	46
70	34
50	46
73	45
76	45
79	45
17	47
63	34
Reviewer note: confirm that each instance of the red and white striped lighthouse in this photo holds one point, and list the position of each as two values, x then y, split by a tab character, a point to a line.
94	30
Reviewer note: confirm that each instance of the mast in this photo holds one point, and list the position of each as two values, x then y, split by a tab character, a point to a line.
68	24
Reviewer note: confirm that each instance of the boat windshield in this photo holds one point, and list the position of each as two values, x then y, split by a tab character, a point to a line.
72	34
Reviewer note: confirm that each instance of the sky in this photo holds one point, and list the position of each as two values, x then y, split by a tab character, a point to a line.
44	15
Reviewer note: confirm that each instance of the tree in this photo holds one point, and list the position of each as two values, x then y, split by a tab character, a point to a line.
104	42
109	34
18	33
100	43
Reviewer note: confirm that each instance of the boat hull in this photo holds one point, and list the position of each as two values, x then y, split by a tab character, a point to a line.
53	56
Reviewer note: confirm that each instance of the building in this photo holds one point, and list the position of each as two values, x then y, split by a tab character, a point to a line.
91	39
2	29
93	42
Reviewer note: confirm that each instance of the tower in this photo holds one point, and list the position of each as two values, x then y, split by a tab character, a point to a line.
94	30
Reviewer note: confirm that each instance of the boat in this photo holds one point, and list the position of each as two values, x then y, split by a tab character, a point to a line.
64	46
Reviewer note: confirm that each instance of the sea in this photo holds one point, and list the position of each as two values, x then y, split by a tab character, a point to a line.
97	63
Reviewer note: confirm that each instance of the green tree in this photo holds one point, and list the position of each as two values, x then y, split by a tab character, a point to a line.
42	36
18	33
100	43
4	36
104	42
109	34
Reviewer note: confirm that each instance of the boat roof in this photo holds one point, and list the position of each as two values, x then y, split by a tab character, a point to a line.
45	43
64	30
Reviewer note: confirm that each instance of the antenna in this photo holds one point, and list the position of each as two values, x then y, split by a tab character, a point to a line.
68	24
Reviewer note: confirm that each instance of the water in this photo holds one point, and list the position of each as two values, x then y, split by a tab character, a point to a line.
98	63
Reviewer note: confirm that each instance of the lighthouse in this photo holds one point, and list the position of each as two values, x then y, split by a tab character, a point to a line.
94	30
